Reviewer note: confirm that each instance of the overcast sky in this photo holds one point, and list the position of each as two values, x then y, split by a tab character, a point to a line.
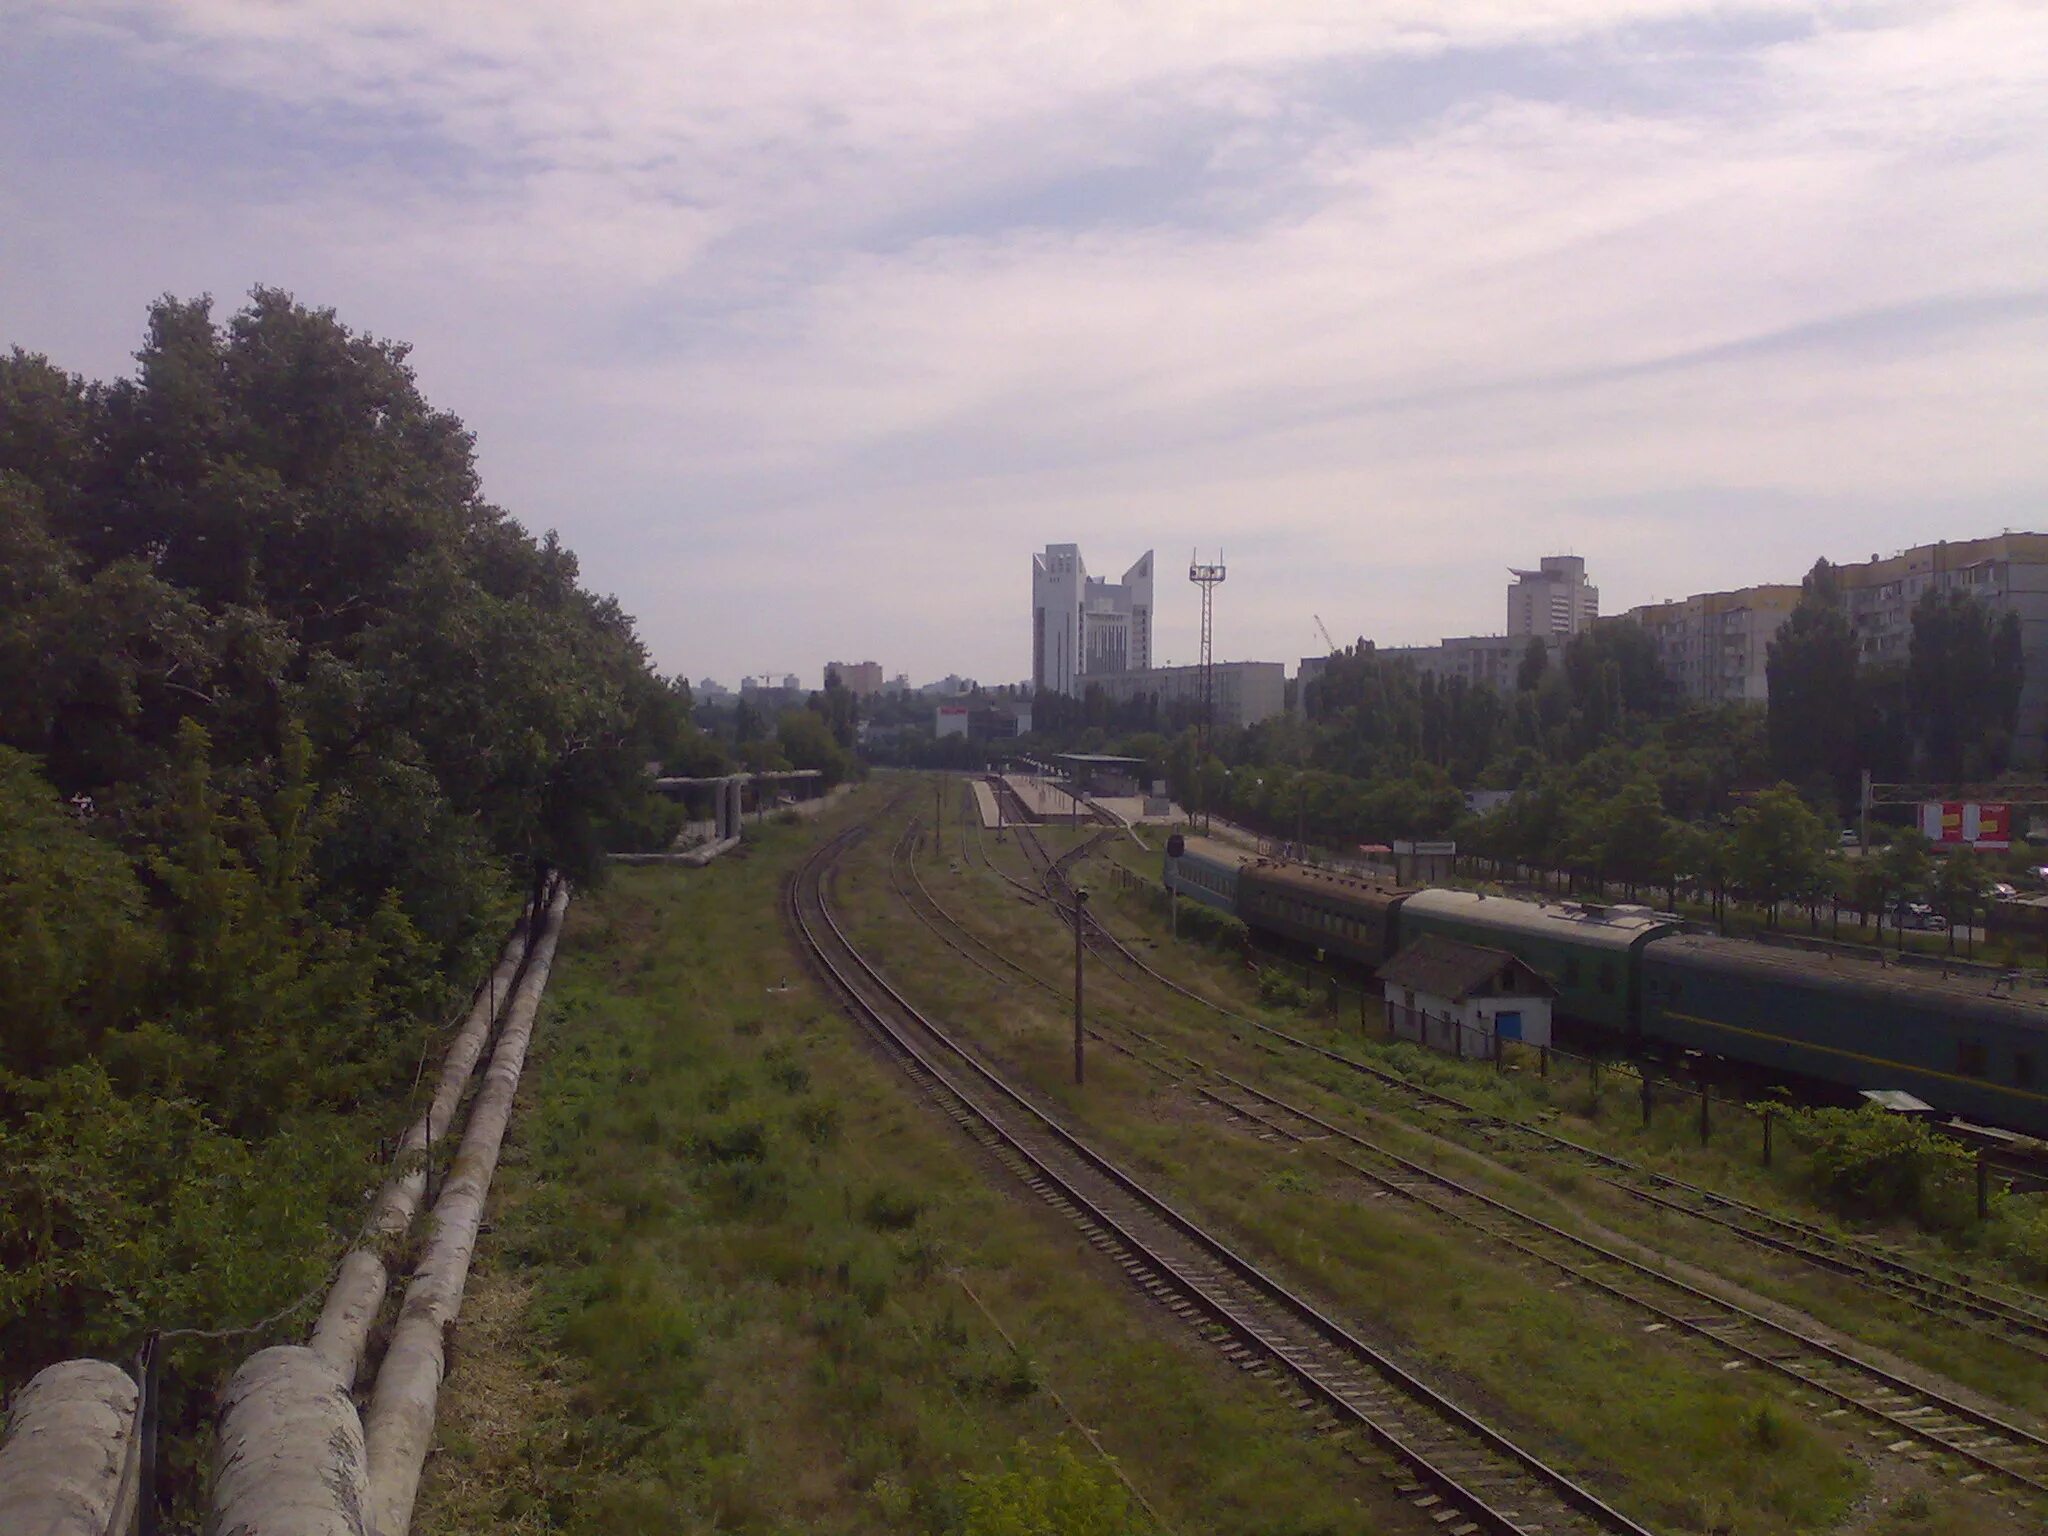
806	324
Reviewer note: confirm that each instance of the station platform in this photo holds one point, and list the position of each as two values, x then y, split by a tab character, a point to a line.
1044	799
985	803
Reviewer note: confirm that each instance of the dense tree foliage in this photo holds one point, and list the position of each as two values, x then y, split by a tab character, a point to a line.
1811	669
289	716
1948	713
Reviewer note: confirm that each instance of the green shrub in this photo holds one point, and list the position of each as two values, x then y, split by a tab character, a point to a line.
817	1121
1049	1492
1280	990
891	1209
1867	1162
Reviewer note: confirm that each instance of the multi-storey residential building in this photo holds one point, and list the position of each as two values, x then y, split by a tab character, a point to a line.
1491	661
1714	644
2008	572
1246	692
1551	604
862	679
1086	626
1553	599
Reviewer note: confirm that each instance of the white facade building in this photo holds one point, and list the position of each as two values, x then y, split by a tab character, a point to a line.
1464	999
1246	692
1553	599
1086	626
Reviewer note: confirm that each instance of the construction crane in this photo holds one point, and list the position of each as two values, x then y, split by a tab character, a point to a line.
1324	630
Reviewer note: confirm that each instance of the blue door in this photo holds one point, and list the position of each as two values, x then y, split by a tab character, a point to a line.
1508	1025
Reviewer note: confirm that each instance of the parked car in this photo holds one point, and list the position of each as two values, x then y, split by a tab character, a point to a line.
2000	890
1849	838
1917	914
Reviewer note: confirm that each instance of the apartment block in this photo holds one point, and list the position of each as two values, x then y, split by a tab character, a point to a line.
862	679
1714	644
1246	692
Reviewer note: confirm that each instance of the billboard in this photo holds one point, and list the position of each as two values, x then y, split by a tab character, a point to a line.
1966	821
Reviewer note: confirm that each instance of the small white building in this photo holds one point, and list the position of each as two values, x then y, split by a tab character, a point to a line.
1463	999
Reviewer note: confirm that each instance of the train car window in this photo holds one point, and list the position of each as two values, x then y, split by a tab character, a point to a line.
1606	975
1970	1057
2023	1068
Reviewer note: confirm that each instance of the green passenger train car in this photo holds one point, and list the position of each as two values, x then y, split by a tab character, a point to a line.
1207	871
1347	915
1591	953
1954	1042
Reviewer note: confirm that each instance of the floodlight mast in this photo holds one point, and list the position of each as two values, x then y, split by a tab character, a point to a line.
1208	578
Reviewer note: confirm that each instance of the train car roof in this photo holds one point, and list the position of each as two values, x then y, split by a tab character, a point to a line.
1216	851
1593	924
1322	882
1850	975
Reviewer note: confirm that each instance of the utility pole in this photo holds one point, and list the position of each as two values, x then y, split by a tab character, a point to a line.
1080	928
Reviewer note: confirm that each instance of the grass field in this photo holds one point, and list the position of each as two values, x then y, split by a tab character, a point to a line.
739	1278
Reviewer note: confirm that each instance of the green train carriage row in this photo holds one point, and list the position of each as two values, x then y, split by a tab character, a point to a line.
1968	1052
1962	1047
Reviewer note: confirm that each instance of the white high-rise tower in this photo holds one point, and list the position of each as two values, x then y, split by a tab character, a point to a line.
1554	600
1084	626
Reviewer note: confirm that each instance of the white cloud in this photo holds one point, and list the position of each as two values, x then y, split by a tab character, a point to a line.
739	297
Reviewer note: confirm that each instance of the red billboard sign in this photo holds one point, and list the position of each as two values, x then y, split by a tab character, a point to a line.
1966	822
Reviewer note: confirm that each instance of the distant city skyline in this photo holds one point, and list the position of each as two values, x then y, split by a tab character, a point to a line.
803	325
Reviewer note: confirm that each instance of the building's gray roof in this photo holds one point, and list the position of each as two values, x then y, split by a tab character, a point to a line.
1449	969
1587	923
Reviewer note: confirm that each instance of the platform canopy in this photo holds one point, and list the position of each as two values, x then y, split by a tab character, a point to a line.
1098	760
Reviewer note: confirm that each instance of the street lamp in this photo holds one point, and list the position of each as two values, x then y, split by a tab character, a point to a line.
1080	927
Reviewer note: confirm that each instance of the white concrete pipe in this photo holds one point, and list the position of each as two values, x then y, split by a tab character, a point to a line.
400	1424
359	1288
71	1460
290	1460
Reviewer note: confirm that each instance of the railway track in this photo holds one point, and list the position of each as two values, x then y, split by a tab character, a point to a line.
1923	1421
2015	1317
1914	1420
1461	1473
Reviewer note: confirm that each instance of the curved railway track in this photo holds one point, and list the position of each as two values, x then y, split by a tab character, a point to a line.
1464	1474
2015	1317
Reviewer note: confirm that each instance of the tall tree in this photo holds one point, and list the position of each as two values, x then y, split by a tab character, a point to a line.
1811	673
1962	685
1781	848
